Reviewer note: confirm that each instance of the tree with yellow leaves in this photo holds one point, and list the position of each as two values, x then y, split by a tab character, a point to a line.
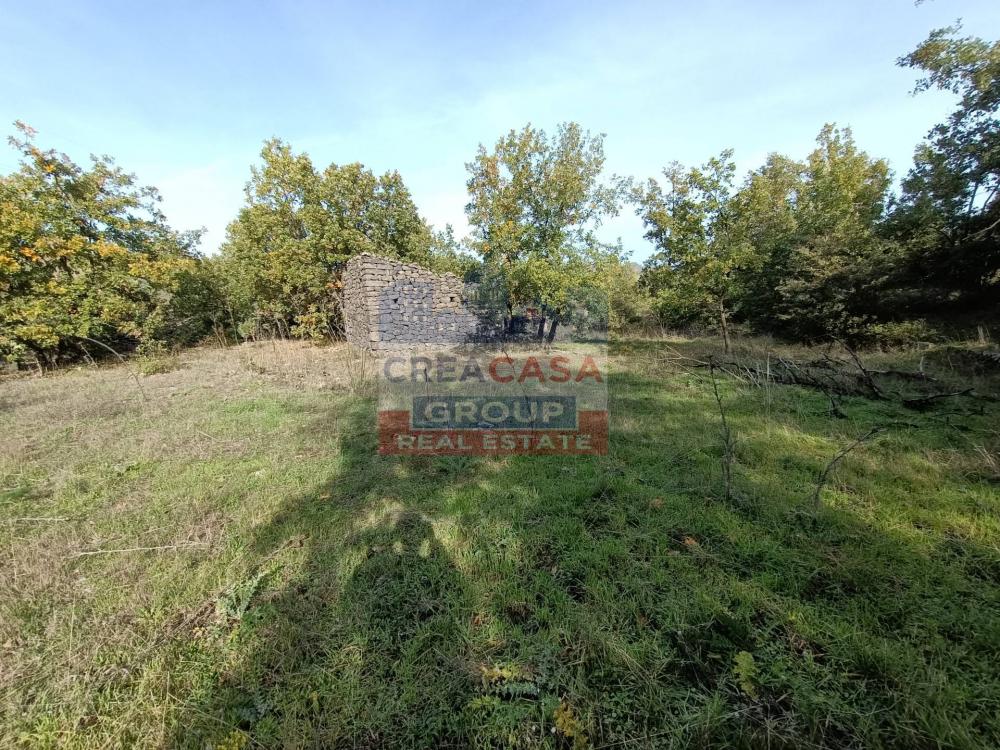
86	254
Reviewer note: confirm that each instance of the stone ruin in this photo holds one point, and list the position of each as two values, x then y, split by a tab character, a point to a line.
389	304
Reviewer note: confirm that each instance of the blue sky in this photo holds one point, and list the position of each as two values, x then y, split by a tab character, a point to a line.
183	93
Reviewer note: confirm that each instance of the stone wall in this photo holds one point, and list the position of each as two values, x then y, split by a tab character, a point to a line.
389	304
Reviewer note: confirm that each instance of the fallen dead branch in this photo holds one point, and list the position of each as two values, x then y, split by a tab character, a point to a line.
788	372
160	548
827	376
923	377
38	519
925	402
866	376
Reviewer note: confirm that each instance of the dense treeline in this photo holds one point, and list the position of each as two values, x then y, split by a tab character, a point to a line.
804	248
821	247
796	250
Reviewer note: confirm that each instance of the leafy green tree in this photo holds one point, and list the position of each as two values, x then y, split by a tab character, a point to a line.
629	305
283	254
950	208
692	272
796	250
447	254
86	255
764	215
831	280
534	204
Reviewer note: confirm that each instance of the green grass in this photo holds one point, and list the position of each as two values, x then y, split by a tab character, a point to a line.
314	594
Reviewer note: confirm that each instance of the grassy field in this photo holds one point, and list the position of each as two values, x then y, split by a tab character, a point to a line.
220	559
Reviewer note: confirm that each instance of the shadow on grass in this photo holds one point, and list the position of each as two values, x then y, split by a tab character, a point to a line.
436	602
351	631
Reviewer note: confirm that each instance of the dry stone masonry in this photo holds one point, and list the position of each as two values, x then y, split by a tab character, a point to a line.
389	304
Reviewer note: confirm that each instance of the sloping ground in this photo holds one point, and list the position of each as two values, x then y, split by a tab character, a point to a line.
221	559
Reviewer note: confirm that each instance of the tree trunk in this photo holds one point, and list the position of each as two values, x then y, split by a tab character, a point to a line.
724	325
552	330
541	329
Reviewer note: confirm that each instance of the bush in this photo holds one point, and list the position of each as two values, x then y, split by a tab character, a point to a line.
86	257
156	364
283	254
901	334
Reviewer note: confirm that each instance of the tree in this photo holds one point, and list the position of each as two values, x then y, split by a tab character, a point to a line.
629	305
86	254
796	250
764	215
284	252
949	213
534	205
693	269
830	281
447	254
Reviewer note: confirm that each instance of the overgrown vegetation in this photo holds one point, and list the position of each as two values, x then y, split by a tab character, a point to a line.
228	563
808	250
821	247
87	261
283	254
795	251
534	205
791	544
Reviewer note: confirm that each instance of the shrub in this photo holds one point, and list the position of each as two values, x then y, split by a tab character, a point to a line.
85	257
901	334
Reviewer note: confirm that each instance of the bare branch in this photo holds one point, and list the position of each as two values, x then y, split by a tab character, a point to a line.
925	402
120	359
823	475
867	376
186	545
34	519
728	451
